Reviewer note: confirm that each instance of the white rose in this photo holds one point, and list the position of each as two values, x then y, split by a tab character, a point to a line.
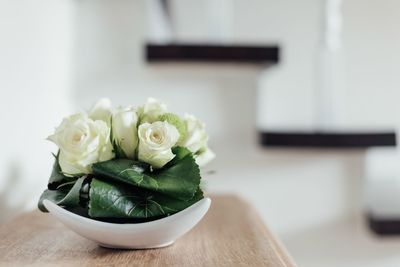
152	110
196	137
101	110
204	156
124	130
82	142
155	143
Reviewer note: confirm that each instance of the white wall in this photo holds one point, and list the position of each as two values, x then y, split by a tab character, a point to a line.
369	97
372	39
35	54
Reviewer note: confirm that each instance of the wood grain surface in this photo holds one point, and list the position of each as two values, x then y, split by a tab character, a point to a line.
231	234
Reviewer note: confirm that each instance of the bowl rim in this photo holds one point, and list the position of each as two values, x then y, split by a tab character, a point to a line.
50	206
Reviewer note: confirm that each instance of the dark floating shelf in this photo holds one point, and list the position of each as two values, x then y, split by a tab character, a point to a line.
328	139
384	226
212	53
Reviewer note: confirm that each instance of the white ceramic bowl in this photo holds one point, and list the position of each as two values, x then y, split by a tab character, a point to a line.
154	234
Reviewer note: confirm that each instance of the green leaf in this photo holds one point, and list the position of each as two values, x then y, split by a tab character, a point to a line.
120	201
179	180
180	153
72	198
66	195
57	177
52	195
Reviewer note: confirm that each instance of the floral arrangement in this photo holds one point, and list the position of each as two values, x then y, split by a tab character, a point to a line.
127	164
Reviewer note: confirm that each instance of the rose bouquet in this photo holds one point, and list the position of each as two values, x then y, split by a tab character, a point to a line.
127	164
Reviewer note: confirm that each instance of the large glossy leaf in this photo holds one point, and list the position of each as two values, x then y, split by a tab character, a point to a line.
52	195
179	180
72	199
66	195
109	199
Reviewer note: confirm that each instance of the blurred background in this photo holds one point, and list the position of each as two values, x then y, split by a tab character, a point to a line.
321	68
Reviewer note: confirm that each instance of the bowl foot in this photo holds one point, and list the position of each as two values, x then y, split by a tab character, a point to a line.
137	247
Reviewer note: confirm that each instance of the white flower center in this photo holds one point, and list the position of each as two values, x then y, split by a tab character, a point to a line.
157	137
79	136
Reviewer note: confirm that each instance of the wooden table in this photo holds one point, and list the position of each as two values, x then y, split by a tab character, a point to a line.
231	234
